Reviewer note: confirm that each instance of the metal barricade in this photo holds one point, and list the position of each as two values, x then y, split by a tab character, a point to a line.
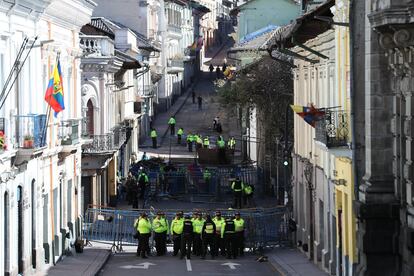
263	227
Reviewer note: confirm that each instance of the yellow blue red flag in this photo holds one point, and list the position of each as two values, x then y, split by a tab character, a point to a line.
54	91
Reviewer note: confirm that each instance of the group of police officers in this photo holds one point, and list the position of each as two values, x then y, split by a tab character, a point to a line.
193	235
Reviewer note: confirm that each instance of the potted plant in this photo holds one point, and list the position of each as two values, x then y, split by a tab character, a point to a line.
28	142
3	145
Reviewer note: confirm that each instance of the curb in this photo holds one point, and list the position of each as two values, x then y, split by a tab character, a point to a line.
278	268
98	270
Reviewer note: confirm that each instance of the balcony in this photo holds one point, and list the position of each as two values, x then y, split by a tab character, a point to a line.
30	131
175	65
68	132
147	90
333	129
174	31
94	45
106	143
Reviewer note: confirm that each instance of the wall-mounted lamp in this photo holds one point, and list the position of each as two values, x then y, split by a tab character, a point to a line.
339	182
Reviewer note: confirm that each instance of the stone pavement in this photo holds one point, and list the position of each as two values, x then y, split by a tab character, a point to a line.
290	261
87	263
192	120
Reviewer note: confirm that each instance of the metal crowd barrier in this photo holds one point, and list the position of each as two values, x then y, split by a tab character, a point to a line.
263	226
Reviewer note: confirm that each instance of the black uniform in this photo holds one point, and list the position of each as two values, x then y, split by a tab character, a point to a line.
230	239
208	237
187	238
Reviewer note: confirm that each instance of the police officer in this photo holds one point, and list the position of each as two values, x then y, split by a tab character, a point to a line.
208	233
219	243
248	195
198	224
177	226
153	135
237	186
143	184
160	227
207	179
143	227
228	235
231	143
171	124
206	142
199	141
187	237
221	145
180	133
239	234
190	140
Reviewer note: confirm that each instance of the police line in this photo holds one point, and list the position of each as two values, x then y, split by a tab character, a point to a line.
264	226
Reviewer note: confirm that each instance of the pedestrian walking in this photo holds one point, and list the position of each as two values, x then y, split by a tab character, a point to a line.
208	233
237	187
160	227
180	133
154	138
206	142
131	189
200	102
177	226
248	195
187	238
190	140
198	224
199	141
143	186
193	95
216	120
143	227
211	69
239	234
144	157
228	236
219	243
218	72
171	124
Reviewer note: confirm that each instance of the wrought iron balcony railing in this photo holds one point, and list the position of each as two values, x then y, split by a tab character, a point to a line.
146	90
176	62
333	129
30	131
100	143
68	132
109	142
174	28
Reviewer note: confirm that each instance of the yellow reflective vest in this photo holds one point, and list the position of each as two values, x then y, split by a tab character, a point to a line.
177	226
198	225
239	224
144	226
160	225
219	223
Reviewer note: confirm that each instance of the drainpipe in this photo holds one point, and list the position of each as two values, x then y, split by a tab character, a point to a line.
352	95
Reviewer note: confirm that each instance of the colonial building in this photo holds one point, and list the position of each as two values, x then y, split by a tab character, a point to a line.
322	173
41	153
382	40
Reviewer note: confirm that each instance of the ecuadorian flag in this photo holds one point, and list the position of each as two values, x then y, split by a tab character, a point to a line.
54	91
309	113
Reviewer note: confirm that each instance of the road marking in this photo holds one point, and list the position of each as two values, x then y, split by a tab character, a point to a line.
231	265
188	263
145	265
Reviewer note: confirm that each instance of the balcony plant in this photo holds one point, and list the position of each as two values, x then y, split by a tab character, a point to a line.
28	142
3	145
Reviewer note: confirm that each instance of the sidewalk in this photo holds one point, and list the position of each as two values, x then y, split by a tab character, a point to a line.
290	261
87	263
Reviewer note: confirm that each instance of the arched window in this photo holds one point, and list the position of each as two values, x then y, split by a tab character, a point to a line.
90	118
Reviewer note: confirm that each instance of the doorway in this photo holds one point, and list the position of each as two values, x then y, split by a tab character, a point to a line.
20	228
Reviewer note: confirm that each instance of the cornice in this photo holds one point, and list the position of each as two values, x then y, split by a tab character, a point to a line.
32	9
72	14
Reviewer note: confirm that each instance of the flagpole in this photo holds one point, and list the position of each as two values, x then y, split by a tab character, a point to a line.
48	108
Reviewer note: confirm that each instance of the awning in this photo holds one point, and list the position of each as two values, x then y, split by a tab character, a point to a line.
128	62
303	28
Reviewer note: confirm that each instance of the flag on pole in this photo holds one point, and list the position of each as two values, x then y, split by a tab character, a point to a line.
309	114
54	91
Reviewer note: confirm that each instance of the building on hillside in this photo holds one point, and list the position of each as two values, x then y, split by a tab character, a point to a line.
323	178
382	44
41	155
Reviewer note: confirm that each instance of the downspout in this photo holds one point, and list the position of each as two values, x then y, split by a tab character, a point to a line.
352	95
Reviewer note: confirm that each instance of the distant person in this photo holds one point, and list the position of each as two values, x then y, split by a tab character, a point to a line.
143	227
218	72
180	133
238	187
200	102
171	124
211	68
193	95
190	140
154	138
215	122
224	67
208	237
144	157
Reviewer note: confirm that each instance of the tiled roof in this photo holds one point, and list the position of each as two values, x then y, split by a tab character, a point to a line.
257	40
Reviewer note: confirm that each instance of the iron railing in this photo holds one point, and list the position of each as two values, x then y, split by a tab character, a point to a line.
68	132
176	62
333	129
174	28
147	90
30	131
108	142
